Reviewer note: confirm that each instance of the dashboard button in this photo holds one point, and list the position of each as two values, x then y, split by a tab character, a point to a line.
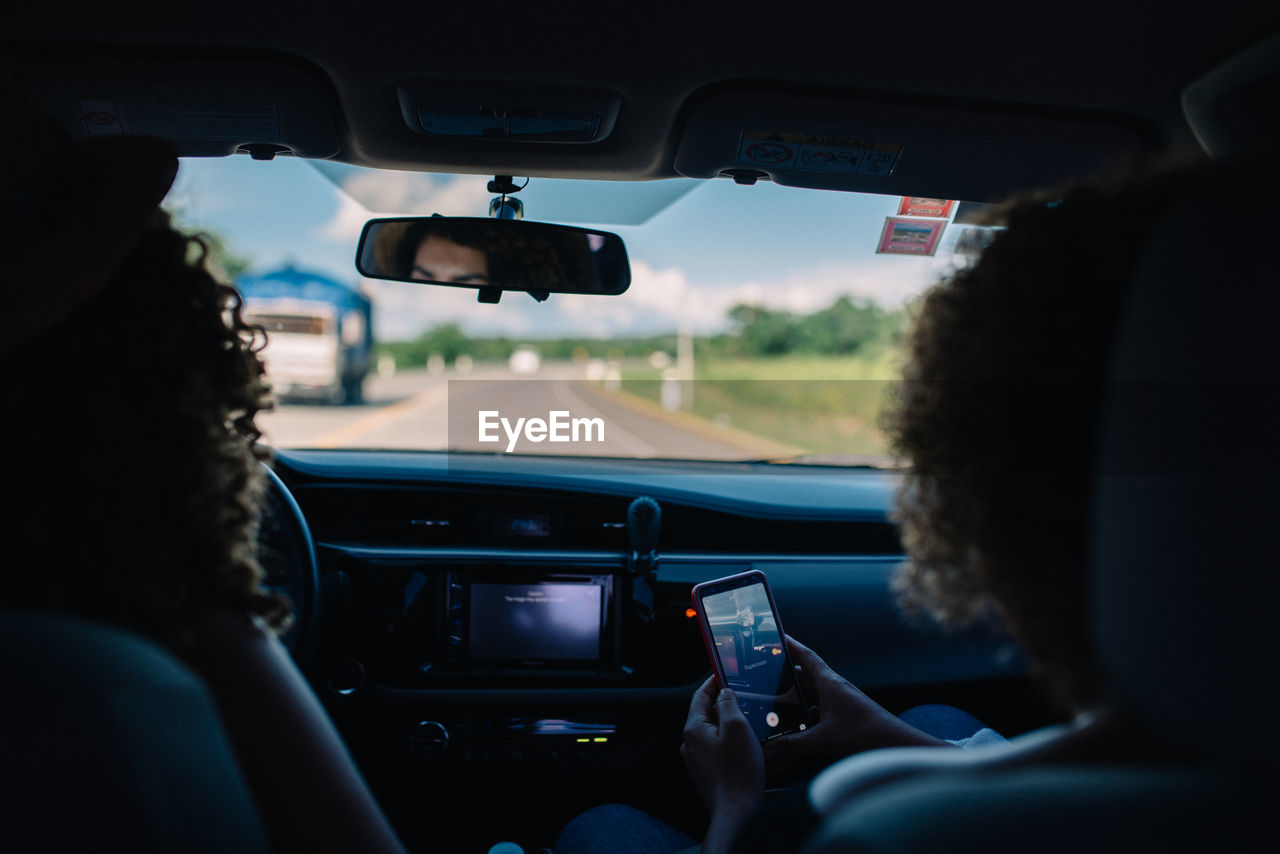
429	740
346	676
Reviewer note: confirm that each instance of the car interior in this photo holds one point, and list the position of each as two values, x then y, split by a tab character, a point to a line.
408	569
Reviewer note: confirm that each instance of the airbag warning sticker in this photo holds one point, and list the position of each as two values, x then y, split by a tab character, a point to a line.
182	120
817	153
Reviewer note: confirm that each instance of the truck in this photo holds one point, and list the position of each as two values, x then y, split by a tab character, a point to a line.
319	333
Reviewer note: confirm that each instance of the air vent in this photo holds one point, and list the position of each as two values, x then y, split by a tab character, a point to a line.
481	517
383	516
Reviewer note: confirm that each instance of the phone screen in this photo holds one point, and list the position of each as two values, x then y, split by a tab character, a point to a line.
749	652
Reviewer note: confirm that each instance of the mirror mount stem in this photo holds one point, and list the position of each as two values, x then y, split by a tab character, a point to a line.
504	207
505	185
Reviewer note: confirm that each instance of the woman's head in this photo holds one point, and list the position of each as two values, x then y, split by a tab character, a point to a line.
131	448
996	416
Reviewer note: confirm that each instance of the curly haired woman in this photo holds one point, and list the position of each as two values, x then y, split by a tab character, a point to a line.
133	463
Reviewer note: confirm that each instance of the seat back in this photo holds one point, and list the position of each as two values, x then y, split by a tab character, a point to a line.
1186	569
1184	583
108	743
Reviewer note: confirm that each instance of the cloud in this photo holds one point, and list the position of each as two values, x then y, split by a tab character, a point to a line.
404	310
346	223
655	302
369	194
417	193
886	280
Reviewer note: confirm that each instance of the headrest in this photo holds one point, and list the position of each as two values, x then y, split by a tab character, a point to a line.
1186	556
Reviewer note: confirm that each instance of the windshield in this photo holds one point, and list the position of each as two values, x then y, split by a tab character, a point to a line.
762	322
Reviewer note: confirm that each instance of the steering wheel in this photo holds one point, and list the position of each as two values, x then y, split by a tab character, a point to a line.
288	557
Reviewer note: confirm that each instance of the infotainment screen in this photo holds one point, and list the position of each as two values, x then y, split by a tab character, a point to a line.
549	620
545	621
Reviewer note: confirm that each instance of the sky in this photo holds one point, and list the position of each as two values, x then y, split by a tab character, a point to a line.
713	245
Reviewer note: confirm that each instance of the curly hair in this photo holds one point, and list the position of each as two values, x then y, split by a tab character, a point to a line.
133	454
996	416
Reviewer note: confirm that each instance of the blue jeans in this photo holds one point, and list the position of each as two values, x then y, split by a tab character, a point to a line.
621	829
945	722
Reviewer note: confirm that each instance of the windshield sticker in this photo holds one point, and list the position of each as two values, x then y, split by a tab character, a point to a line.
817	153
182	120
918	206
910	236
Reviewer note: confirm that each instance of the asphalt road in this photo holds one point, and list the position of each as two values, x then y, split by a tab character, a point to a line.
419	410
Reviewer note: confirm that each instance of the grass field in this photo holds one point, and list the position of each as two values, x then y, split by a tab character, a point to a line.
827	405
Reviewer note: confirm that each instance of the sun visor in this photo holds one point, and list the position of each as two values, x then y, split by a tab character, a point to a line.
204	105
866	145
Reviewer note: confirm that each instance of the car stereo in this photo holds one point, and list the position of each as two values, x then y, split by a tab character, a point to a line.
501	619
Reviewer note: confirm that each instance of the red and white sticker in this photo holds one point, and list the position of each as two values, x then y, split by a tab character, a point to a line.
919	206
903	236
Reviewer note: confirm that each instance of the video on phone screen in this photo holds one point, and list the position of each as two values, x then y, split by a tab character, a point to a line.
748	642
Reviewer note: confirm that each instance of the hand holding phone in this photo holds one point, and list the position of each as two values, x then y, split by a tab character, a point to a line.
748	651
847	722
721	752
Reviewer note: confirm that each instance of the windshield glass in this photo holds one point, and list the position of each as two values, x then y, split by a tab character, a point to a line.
761	322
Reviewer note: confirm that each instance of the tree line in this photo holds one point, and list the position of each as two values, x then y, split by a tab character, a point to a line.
848	326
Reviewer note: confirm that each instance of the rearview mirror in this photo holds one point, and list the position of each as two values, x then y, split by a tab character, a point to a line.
494	255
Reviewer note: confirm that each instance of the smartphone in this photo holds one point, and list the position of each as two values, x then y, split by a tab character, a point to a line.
748	652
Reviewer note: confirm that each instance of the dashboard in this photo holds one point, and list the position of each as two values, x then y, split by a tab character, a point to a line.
480	618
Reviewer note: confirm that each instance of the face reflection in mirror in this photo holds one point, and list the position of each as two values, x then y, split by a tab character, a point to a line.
440	259
491	254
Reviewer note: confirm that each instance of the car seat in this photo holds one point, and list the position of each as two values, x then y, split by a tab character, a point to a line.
110	744
1185	591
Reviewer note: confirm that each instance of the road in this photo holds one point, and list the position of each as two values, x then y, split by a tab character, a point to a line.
420	410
